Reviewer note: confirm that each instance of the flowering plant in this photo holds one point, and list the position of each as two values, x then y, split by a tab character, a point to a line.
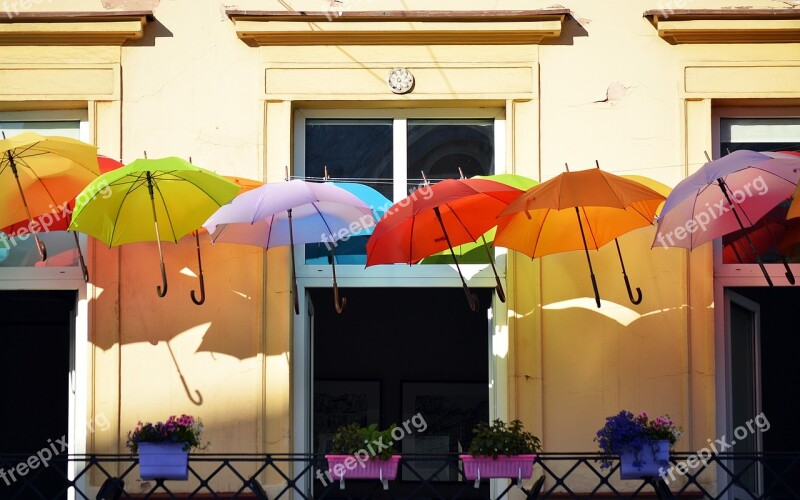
625	431
184	429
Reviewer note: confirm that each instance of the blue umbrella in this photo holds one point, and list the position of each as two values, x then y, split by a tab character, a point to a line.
350	249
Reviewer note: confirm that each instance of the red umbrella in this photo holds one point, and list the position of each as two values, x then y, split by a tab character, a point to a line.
437	217
59	217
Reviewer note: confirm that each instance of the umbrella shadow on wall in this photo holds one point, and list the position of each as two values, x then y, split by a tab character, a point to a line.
232	309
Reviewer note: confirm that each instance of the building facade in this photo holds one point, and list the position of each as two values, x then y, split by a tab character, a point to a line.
266	90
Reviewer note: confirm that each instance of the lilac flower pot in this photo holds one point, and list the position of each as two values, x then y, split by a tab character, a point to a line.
163	461
514	466
652	457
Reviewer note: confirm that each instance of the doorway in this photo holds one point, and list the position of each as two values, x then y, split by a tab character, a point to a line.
763	344
37	329
399	352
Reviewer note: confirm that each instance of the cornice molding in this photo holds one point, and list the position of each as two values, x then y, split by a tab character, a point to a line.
269	28
684	26
73	28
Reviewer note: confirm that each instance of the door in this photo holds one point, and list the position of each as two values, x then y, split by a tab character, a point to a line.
744	386
36	329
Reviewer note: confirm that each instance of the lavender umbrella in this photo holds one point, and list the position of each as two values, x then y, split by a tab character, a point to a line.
285	213
724	196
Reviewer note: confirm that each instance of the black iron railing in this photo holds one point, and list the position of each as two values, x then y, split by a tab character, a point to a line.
301	476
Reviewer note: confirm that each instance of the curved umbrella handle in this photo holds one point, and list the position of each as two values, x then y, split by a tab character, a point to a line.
471	298
202	298
84	269
789	274
638	299
40	246
162	293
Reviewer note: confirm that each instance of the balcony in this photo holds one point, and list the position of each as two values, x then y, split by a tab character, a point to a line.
292	476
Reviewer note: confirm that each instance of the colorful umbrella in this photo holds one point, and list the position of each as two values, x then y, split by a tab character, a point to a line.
59	217
476	252
438	217
47	171
179	195
726	195
285	213
577	210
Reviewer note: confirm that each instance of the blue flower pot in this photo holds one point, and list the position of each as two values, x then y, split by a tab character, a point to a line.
647	462
163	461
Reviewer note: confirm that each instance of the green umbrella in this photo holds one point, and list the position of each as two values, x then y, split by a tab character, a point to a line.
180	196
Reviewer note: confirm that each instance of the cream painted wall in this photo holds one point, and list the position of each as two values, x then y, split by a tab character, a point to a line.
609	90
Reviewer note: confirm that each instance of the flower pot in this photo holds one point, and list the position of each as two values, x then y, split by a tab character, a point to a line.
510	466
343	467
163	461
647	462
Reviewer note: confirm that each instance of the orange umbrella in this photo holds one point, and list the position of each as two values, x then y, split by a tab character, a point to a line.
244	185
59	217
577	210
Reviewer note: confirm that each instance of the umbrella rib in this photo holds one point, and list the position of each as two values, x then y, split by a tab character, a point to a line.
183	179
39	180
131	188
319	212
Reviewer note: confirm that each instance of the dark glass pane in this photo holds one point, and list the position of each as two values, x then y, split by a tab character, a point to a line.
439	148
353	150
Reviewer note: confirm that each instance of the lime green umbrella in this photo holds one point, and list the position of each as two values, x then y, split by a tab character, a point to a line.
475	252
180	196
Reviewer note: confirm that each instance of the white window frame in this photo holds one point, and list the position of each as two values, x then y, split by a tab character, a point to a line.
479	275
432	275
62	278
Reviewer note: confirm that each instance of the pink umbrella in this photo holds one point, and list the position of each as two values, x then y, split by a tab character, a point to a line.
285	213
727	195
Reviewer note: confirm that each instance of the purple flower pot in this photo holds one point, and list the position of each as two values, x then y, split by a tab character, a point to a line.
508	466
163	461
647	462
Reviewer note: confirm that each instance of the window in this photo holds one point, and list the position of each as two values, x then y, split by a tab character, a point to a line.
395	155
773	236
62	252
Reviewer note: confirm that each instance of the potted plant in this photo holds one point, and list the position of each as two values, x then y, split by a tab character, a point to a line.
163	447
642	444
501	450
363	453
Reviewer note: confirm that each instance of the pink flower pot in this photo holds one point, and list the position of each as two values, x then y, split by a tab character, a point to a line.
342	468
163	461
514	466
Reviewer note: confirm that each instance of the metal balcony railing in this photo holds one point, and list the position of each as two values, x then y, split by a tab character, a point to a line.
301	476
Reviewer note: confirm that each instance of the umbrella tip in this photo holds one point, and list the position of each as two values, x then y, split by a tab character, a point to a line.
597	164
708	158
566	166
461	173
286	172
424	179
326	177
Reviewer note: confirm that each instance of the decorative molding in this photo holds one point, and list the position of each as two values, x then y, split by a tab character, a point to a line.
73	28
400	80
259	28
726	25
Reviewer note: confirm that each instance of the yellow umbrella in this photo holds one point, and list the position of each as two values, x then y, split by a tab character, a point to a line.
44	173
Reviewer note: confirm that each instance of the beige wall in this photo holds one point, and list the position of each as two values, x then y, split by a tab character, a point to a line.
609	89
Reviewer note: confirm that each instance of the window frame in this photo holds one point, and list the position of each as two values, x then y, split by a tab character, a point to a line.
69	273
747	274
479	275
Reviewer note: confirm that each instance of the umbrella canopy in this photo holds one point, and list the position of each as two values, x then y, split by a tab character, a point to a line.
40	172
285	213
475	252
724	196
59	217
577	210
180	196
438	217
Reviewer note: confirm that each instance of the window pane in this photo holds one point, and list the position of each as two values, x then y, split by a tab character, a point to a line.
759	134
353	150
20	251
440	147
